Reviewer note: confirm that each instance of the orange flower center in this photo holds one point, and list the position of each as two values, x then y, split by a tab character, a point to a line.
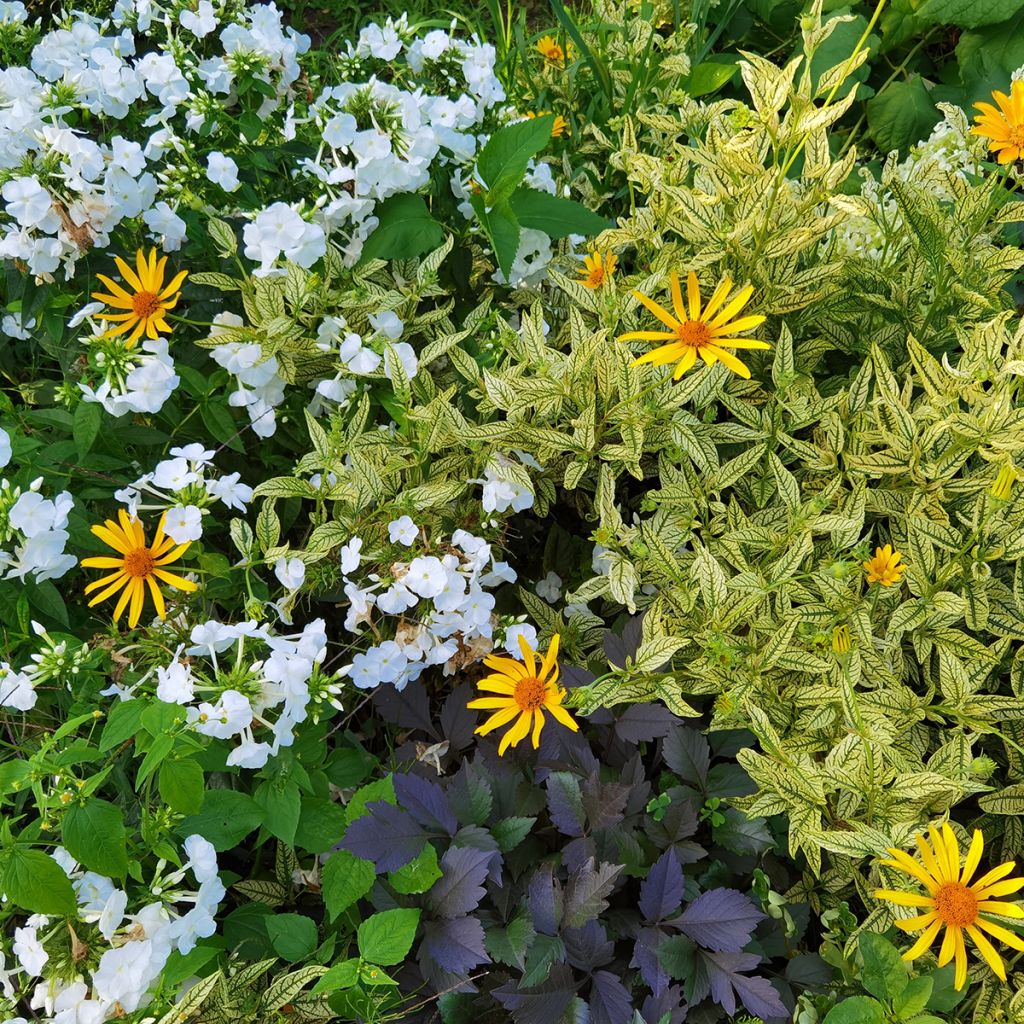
530	693
693	332
956	905
139	563
596	277
1015	134
554	53
145	304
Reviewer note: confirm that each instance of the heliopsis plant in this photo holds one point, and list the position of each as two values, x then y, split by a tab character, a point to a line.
552	51
597	269
144	308
954	902
696	330
525	691
138	565
1003	124
885	567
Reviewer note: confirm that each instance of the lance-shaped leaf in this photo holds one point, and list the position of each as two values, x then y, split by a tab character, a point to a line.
720	919
455	946
609	1000
460	887
722	973
585	892
662	890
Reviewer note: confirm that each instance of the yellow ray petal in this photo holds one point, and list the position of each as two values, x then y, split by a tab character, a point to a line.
1000	888
693	296
527	652
112	537
973	859
924	940
115	580
1004	935
158	598
960	976
677	296
126	595
739	300
948	948
516	734
497	684
736	365
491	703
994	875
174	580
128	274
915	924
538	724
506	666
988	953
653	307
903	899
497	720
745	323
646	336
717	298
904	862
549	658
1011	910
102	562
563	716
138	597
686	361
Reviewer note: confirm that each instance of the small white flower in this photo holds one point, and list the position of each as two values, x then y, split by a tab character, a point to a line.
201	22
183	523
223	171
402	531
350	556
427	576
202	856
512	635
175	684
29	951
291	572
387	323
550	588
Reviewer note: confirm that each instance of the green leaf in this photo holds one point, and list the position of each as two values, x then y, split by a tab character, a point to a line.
502	230
343	975
967	13
553	215
988	56
709	77
225	819
913	999
510	832
406	229
219	421
885	973
293	936
345	880
181	785
94	834
418	875
85	426
321	825
282	804
856	1010
380	789
901	114
386	938
944	997
123	722
503	160
37	883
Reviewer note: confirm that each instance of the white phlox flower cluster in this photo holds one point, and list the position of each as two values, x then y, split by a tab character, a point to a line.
434	607
138	941
251	685
184	486
33	532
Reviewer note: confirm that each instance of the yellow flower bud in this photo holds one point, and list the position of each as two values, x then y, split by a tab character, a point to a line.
841	640
1002	487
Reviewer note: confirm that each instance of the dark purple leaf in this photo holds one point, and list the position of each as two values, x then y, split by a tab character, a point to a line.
456	946
387	836
721	920
426	802
687	753
617	648
544	901
460	887
408	708
640	723
469	794
477	838
604	803
645	957
585	893
589	947
577	852
609	1000
729	780
740	834
457	721
662	890
542	1004
756	994
576	675
668	1002
565	803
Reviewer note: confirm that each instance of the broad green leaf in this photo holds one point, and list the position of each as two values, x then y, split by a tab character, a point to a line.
885	973
503	160
321	825
502	230
282	803
181	785
293	936
86	426
967	13
418	875
37	883
345	879
553	215
406	229
225	818
94	834
386	938
901	114
856	1010
709	77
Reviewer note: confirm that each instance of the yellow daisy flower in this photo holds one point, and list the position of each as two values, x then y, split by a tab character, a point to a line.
1002	486
1003	126
954	901
559	126
148	301
552	51
698	332
137	565
885	567
525	693
597	269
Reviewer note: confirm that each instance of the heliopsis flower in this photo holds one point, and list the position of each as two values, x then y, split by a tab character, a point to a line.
137	566
885	567
1002	486
698	332
1003	126
552	51
841	640
597	269
559	126
525	692
148	301
954	901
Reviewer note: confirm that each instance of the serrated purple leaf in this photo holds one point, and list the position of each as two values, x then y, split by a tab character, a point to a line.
544	901
726	983
386	835
609	1001
565	803
589	947
585	893
456	945
604	803
721	920
457	721
687	753
645	957
469	794
460	887
542	1004
669	1002
662	890
641	723
426	802
408	708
